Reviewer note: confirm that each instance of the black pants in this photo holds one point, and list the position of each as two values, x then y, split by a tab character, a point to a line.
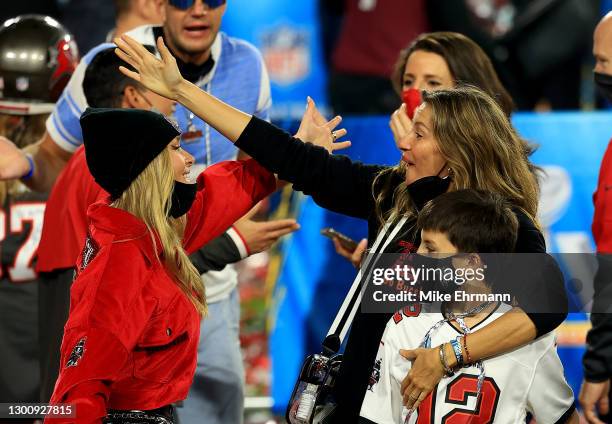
53	307
19	354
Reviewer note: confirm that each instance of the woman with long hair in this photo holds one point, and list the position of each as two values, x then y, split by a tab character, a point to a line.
453	129
130	344
437	61
442	60
461	139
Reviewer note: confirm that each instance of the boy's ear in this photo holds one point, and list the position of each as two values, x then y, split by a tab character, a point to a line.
133	98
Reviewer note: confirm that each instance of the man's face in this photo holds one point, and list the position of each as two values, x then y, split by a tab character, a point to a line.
191	32
602	46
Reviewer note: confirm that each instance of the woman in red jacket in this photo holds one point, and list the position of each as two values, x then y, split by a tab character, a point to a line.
130	343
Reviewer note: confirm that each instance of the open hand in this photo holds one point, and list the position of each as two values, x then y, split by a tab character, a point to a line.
316	130
161	76
261	235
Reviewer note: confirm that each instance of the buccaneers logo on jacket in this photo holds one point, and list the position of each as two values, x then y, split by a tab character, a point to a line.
77	353
90	250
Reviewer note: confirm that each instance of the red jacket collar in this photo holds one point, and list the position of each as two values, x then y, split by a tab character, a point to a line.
123	226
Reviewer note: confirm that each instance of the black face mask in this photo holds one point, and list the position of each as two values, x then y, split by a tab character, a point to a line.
603	82
437	269
427	188
183	196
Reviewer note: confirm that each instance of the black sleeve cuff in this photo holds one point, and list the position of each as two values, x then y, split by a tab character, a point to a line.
597	358
565	417
546	322
216	254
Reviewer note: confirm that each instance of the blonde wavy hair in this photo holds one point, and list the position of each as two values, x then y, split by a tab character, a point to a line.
482	150
148	199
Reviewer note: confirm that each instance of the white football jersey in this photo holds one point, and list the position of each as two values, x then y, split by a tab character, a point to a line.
529	379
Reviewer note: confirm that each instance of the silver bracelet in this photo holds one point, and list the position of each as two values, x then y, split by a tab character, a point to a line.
449	372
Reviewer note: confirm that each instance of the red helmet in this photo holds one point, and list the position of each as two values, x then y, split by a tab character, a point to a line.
37	58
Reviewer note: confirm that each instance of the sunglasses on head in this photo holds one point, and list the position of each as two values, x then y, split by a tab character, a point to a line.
186	4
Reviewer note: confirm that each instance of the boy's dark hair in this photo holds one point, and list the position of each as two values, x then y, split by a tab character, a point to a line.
474	221
103	83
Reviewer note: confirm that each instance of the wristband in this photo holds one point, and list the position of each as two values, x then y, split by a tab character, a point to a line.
239	241
447	370
31	171
457	350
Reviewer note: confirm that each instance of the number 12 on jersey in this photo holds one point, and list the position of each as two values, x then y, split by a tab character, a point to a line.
458	392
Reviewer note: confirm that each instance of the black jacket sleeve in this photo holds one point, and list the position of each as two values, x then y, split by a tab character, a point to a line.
335	182
539	278
597	360
214	256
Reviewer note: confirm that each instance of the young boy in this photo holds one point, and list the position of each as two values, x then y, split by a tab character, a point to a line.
529	379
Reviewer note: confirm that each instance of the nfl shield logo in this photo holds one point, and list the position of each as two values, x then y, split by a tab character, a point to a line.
286	52
22	84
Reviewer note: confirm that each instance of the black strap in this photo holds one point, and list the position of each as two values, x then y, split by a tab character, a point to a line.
346	313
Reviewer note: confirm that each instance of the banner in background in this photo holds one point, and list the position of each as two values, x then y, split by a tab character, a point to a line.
314	279
287	35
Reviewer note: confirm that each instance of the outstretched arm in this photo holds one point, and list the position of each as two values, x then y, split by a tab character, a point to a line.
346	186
163	77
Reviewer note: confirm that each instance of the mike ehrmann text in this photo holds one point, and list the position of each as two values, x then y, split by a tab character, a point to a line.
436	296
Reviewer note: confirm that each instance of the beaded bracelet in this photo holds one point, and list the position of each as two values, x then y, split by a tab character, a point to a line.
467	352
31	171
447	370
457	350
